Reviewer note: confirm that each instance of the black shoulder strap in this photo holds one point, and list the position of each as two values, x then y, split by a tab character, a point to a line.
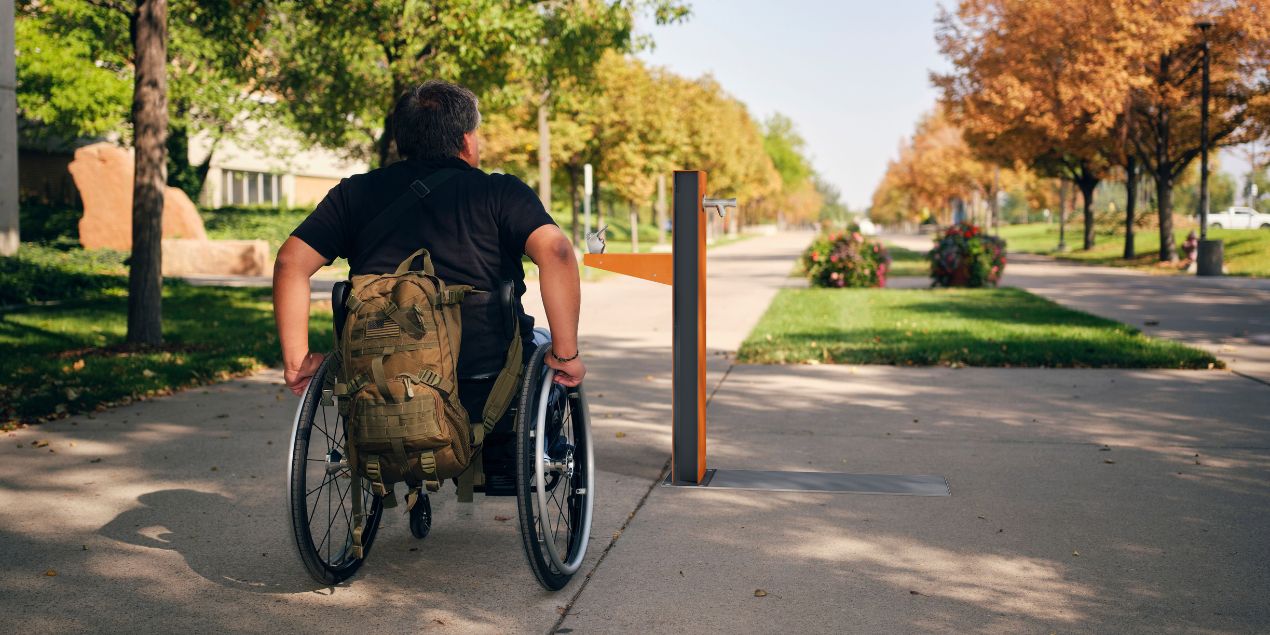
389	220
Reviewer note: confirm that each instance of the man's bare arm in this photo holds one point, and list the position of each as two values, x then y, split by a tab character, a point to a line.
561	292
296	263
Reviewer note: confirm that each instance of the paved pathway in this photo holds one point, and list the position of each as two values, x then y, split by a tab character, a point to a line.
170	515
181	526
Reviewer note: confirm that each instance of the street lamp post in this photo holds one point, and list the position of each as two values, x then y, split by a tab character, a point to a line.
1209	257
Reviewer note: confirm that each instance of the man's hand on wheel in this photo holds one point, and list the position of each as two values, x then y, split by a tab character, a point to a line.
568	373
297	380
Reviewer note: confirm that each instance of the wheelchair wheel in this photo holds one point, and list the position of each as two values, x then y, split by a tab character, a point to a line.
421	517
319	489
555	474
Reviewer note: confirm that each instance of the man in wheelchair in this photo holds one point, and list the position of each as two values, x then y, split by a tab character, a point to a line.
475	225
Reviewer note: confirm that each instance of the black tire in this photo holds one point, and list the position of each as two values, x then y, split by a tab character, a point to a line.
1214	225
1265	225
572	498
421	517
328	562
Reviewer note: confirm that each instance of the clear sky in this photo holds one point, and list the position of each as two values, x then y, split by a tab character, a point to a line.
852	74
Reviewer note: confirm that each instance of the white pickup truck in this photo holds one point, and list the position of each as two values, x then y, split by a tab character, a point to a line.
1239	218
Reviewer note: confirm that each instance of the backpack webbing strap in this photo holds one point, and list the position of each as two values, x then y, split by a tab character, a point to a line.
466	482
355	486
504	390
394	313
428	465
389	221
377	485
404	267
381	379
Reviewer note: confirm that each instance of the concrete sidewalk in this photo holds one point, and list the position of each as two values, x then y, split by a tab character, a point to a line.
181	524
171	514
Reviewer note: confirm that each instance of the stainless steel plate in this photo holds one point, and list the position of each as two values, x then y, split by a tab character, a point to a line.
837	482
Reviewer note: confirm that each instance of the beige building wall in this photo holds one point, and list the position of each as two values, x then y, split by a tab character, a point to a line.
281	169
310	190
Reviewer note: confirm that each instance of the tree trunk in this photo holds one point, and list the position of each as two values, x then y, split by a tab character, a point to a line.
1131	205
1062	216
595	202
634	213
150	124
1164	177
574	202
544	153
1164	203
387	148
661	209
1087	185
994	203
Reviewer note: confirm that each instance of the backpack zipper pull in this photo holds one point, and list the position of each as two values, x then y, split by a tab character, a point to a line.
405	381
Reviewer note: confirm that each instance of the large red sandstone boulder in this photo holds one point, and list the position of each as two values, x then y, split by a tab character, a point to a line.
216	257
103	174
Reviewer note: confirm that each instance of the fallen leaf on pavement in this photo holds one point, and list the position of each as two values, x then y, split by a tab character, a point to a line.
50	573
502	518
41	443
1108	462
912	592
620	434
1076	554
760	593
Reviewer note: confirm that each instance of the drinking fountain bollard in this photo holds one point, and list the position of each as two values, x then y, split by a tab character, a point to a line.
684	269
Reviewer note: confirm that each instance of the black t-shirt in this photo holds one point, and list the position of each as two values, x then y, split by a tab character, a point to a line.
474	225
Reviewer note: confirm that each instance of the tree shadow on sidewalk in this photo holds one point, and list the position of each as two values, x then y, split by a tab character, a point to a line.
213	535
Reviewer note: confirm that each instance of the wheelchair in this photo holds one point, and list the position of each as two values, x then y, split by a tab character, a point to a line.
555	476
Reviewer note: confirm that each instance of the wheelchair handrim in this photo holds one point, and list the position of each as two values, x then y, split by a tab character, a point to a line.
540	456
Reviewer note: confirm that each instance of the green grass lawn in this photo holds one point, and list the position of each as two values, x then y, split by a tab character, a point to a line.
906	262
71	357
1247	251
973	327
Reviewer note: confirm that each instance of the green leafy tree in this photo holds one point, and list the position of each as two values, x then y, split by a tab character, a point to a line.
834	209
787	149
340	65
75	73
71	84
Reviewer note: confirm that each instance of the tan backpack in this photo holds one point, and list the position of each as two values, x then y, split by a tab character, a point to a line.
397	384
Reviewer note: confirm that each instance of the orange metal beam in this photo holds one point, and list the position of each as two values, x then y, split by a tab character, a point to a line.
652	267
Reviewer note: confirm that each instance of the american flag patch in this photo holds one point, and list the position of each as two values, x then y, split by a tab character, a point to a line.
382	328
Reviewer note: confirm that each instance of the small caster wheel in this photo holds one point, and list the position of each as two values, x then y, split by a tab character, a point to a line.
421	517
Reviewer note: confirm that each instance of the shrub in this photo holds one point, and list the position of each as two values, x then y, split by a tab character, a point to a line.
47	223
846	259
43	273
966	257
